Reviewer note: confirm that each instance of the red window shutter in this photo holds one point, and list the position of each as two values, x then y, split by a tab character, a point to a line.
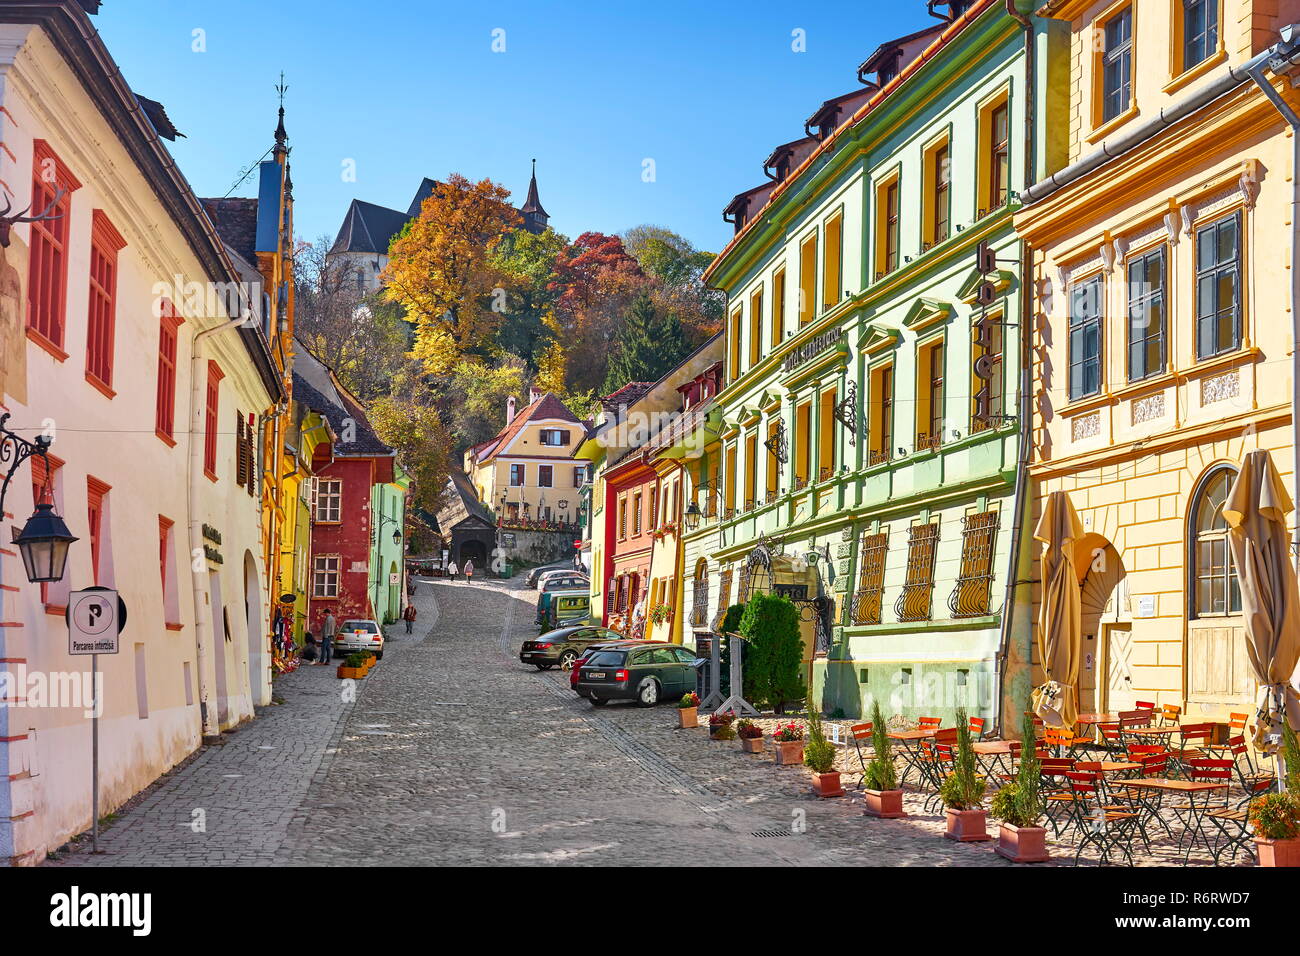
96	491
48	256
105	243
164	533
211	420
165	414
250	433
241	470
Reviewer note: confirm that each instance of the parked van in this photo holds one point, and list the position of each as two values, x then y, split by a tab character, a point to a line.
564	608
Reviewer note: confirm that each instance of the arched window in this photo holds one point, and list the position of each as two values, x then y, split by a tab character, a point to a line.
1215	589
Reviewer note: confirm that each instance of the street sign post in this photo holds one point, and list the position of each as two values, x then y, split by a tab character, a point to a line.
95	619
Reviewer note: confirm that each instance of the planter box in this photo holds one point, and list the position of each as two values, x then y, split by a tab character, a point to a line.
827	784
967	826
1278	852
788	751
688	717
1022	844
886	804
350	673
752	745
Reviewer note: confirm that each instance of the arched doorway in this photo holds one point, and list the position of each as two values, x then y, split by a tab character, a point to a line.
475	551
394	592
255	628
1217	675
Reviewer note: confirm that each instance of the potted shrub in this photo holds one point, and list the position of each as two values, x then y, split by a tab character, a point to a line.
688	710
1019	805
720	725
1275	818
751	736
962	791
788	739
351	668
883	796
819	756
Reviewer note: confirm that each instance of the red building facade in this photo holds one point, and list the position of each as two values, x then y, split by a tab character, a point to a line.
631	489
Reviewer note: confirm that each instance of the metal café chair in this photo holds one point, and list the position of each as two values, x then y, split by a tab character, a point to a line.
1107	828
860	733
1233	824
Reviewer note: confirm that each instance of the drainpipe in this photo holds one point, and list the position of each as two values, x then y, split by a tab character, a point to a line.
1026	385
1256	71
202	620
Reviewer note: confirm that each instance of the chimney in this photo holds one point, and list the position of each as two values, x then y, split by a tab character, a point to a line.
510	409
534	393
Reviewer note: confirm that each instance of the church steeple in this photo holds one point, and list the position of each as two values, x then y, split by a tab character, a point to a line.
535	217
281	135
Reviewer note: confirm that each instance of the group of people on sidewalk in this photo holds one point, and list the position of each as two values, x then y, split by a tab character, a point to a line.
468	568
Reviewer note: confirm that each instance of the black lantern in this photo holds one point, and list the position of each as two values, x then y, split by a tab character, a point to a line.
693	516
44	543
397	536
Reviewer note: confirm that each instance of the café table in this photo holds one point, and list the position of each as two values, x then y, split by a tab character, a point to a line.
994	754
911	741
1194	826
1087	723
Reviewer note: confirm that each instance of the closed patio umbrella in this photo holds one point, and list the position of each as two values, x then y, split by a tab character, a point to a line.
1060	622
1256	510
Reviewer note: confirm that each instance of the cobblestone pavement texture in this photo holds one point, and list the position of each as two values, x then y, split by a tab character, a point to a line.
455	753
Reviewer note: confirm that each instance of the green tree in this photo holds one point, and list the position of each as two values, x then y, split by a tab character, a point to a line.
772	661
411	424
475	394
650	344
527	262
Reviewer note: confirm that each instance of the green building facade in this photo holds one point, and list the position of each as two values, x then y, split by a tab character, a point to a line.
387	580
871	443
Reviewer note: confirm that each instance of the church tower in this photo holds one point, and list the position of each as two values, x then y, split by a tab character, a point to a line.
535	217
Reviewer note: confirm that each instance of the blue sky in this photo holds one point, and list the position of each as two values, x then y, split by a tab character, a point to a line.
409	88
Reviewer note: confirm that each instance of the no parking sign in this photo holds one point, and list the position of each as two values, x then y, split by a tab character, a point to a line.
95	618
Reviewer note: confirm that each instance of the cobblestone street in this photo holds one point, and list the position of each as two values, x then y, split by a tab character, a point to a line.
454	753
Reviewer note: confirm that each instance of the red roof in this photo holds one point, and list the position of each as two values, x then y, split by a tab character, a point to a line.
546	407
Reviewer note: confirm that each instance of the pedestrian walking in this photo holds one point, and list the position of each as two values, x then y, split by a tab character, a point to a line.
451	571
469	569
409	617
327	631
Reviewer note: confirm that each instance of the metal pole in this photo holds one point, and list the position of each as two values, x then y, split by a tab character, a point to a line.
94	754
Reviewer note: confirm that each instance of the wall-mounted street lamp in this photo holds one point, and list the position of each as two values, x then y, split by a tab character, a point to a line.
45	539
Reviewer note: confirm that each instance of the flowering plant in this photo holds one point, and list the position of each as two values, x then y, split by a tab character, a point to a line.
722	718
689	699
748	730
788	732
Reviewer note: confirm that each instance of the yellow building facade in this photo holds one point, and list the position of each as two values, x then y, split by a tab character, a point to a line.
528	472
1162	330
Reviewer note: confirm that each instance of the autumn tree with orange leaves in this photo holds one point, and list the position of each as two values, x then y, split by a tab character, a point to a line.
441	271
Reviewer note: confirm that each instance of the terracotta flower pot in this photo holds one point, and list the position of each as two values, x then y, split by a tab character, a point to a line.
1278	852
1022	844
967	826
886	804
752	745
789	751
827	784
688	717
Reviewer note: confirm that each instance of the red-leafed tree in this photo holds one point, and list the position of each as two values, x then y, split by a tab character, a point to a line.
596	279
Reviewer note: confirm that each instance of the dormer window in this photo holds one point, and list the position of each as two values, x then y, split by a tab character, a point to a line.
889	69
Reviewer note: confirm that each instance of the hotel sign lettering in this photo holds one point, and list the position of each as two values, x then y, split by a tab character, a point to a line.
813	348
